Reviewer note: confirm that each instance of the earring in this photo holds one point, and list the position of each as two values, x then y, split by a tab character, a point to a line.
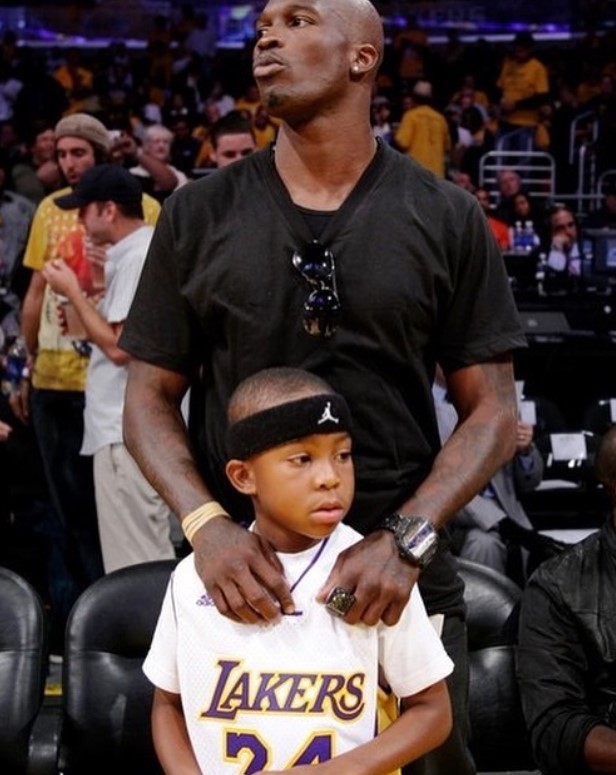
355	67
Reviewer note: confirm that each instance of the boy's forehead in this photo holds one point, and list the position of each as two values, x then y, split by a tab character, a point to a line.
301	417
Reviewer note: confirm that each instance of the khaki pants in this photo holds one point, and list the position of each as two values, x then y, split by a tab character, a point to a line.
133	520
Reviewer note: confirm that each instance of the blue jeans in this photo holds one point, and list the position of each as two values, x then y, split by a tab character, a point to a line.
57	419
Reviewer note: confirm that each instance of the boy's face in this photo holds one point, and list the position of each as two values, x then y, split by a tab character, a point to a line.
301	490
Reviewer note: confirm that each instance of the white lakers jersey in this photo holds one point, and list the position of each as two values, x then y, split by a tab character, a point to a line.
300	691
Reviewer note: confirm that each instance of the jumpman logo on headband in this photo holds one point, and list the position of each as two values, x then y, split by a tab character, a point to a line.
327	414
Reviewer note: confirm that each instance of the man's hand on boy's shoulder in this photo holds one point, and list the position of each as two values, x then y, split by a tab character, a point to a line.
375	574
241	573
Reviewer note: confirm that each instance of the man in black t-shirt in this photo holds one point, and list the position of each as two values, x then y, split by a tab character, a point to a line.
349	260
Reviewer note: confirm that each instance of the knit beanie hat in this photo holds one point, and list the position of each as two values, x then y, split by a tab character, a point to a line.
86	127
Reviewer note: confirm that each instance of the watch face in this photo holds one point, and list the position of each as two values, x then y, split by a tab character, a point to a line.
418	540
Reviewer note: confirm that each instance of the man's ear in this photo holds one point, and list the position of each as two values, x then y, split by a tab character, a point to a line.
241	475
364	57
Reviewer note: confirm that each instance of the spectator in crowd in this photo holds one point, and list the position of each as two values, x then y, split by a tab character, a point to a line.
525	211
603	105
185	148
58	362
410	45
10	86
423	132
77	82
524	84
300	481
219	95
232	138
15	217
263	127
567	639
249	100
158	176
257	289
380	118
201	41
564	254
41	98
509	186
499	228
55	403
133	521
566	110
37	174
461	137
605	216
493	529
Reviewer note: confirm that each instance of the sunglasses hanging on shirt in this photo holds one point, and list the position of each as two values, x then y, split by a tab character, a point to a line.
322	307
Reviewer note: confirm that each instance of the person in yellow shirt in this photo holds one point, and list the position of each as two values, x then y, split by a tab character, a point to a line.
264	127
58	357
524	86
423	132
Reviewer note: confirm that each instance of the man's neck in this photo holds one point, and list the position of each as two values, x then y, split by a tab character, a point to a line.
320	169
125	228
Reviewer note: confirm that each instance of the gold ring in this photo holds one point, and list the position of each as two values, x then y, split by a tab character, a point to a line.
339	601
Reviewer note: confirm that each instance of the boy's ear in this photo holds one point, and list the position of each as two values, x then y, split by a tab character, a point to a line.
240	474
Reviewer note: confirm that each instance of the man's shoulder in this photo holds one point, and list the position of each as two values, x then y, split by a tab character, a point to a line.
49	202
568	570
19	202
47	207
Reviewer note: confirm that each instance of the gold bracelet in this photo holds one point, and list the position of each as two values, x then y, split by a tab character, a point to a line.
200	516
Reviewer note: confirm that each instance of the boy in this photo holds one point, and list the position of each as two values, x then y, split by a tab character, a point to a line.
232	698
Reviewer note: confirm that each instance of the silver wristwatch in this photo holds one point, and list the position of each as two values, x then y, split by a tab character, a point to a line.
416	538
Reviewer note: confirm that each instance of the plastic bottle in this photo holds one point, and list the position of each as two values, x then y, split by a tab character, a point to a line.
518	237
14	366
530	238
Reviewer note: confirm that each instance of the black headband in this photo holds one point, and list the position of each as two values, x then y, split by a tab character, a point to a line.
325	413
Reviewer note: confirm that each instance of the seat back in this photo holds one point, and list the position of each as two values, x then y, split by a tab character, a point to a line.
107	698
599	415
23	661
498	732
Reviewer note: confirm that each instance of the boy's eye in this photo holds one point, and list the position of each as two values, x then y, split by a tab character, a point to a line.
300	459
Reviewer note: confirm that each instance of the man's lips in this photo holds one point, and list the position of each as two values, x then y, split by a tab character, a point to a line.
265	65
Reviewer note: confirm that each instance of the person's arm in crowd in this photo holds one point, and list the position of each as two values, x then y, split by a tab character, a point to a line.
31	310
552	668
528	464
105	335
240	571
483	440
30	320
423	724
170	735
163	176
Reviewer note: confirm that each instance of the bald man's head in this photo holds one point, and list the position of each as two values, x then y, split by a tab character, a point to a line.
365	24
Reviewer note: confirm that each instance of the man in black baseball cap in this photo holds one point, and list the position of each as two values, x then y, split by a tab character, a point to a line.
133	521
103	183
